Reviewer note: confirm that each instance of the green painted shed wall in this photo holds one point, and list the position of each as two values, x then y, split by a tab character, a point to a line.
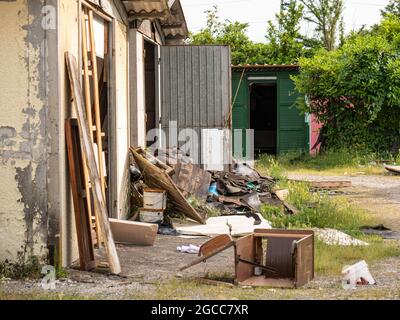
292	128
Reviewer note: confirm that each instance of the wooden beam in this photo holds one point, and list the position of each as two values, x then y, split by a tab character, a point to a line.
87	148
88	104
96	101
81	208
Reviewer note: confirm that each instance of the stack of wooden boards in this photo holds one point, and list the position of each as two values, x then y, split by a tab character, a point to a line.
84	140
81	157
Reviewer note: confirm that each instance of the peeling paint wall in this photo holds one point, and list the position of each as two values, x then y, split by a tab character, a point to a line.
36	212
23	130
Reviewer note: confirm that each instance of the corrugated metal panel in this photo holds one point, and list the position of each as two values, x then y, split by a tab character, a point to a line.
196	88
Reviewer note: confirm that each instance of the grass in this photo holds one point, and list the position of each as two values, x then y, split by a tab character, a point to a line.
334	162
329	260
316	211
43	296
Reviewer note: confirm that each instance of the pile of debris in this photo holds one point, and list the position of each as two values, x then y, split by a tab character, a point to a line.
202	196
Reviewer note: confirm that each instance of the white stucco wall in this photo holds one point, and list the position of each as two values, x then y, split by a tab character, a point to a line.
23	133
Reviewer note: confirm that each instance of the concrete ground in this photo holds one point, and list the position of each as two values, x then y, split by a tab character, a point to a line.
152	272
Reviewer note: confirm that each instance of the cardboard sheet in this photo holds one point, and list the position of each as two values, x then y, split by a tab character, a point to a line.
235	226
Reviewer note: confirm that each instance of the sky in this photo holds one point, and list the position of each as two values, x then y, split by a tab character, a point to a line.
258	12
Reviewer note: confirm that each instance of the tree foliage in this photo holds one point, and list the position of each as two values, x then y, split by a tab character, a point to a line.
231	33
393	8
285	40
327	16
355	90
285	43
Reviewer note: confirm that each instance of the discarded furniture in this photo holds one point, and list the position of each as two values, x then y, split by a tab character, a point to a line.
273	258
134	233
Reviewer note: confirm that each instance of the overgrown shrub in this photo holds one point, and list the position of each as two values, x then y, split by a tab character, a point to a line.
355	90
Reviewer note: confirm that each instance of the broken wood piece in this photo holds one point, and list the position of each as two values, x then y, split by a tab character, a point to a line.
155	177
134	233
326	184
192	180
209	255
282	195
231	200
87	148
394	169
81	209
157	162
214	243
215	282
292	209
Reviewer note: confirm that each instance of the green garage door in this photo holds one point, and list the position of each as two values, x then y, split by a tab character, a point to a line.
241	113
291	124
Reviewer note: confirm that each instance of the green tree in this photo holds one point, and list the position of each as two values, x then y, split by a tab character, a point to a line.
392	8
284	38
243	50
355	90
327	16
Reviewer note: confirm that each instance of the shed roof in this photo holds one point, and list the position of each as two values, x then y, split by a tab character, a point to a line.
169	12
266	67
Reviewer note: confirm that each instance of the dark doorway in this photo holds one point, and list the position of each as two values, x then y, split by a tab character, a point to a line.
150	86
263	117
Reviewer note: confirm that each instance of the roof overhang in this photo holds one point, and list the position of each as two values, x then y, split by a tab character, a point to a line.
147	9
266	67
174	26
168	12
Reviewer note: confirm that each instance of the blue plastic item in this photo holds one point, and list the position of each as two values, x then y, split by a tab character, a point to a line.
213	189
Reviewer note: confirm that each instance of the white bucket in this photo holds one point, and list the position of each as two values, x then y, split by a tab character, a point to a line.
154	199
150	216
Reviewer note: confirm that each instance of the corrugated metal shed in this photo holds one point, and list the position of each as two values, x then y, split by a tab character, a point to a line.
196	88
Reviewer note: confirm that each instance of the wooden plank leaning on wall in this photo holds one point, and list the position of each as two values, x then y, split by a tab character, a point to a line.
87	147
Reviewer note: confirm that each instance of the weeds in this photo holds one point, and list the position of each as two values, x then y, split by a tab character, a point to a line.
21	269
203	207
329	260
329	162
316	211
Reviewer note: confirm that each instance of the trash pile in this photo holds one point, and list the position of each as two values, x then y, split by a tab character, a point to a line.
226	202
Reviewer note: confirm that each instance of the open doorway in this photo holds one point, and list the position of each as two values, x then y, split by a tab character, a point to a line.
263	117
150	87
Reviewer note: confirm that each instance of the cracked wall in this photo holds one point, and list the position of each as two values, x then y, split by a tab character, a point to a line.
23	130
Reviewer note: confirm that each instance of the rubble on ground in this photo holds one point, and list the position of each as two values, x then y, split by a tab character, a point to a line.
335	237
